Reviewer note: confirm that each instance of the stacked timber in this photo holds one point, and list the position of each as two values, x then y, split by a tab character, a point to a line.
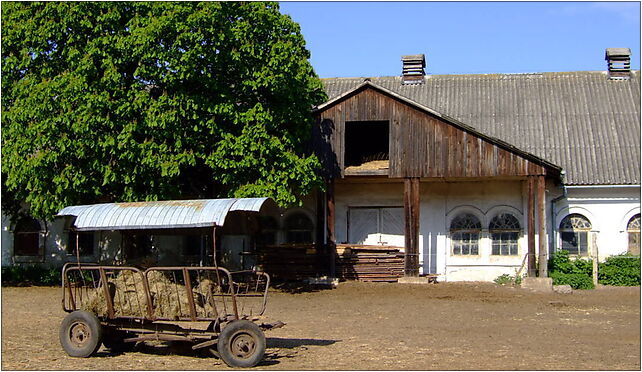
369	263
289	261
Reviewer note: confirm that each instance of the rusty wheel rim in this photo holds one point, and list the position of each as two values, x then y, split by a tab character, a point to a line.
243	345
79	334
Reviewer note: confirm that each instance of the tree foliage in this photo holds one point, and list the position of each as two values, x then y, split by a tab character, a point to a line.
124	101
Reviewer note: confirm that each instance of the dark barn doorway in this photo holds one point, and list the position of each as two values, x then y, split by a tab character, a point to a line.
366	141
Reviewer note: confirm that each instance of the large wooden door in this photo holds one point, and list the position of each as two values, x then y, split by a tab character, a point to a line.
376	226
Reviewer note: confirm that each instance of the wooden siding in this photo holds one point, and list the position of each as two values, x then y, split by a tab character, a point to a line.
421	144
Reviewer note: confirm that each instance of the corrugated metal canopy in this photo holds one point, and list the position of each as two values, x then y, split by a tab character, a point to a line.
158	214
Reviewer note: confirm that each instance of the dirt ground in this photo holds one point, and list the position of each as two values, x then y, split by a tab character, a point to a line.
445	326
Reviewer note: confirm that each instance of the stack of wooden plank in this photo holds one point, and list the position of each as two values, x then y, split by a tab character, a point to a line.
290	261
369	263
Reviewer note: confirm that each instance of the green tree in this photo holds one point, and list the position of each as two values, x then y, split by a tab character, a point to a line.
124	101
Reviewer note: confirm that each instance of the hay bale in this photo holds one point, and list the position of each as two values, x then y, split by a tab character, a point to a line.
169	299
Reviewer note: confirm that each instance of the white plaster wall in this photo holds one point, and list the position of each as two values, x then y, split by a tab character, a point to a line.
439	203
485	200
609	210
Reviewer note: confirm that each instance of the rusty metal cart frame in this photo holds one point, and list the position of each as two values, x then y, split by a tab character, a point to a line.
122	316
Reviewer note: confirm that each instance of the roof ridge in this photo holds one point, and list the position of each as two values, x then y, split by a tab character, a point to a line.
479	74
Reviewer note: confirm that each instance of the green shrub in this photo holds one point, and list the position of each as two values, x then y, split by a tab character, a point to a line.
51	276
622	270
575	280
562	263
583	266
577	273
30	275
505	279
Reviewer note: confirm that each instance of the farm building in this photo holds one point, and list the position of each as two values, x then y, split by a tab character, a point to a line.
464	177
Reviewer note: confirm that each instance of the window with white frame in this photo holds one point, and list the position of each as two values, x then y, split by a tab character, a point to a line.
574	232
465	230
633	231
504	232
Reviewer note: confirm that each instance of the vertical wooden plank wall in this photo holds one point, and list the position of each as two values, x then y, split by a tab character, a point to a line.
421	144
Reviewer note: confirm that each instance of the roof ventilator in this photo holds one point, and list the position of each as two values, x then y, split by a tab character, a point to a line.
413	69
619	60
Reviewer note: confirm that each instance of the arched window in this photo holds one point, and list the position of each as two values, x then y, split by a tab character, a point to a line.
633	230
464	234
26	237
574	230
298	228
504	231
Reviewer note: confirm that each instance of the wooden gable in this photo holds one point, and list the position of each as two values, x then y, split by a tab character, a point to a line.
422	143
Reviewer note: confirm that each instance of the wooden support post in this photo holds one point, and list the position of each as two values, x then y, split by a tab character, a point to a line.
319	245
531	226
330	219
214	261
411	213
541	220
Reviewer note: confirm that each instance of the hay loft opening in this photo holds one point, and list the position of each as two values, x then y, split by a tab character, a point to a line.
366	145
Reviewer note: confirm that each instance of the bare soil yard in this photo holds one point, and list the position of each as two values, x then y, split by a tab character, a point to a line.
360	326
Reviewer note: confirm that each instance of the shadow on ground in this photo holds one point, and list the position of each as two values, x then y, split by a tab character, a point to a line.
185	349
275	348
290	343
300	287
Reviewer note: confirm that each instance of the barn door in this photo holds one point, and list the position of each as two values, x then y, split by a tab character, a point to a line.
376	226
363	226
392	227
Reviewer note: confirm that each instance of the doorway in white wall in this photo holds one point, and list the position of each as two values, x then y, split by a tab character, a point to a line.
376	226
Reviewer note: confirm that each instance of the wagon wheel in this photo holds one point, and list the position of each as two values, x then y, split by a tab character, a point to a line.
241	344
80	334
114	340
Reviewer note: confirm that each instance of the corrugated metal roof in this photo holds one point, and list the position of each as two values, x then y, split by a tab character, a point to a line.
158	214
582	121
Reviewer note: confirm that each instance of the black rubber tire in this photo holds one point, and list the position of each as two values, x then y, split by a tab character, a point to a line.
80	334
113	340
241	344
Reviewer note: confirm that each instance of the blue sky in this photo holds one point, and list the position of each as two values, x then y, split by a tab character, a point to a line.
369	38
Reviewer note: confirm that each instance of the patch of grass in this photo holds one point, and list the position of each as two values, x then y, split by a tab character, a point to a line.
506	279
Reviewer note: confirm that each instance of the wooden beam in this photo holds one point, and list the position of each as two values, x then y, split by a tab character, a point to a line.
411	214
330	227
320	234
531	226
541	220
